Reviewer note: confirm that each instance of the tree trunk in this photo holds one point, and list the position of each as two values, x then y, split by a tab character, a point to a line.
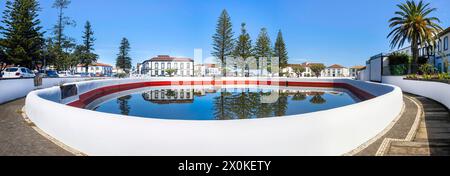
415	55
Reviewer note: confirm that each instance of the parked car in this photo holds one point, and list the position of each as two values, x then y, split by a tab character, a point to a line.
18	72
52	74
64	74
83	75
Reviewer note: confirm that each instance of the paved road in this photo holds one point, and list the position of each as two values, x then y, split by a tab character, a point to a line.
17	138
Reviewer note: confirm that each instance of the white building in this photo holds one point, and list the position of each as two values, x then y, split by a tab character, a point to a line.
169	96
355	70
206	70
98	69
336	71
159	65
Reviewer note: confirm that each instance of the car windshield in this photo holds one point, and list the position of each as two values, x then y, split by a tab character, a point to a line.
11	70
51	72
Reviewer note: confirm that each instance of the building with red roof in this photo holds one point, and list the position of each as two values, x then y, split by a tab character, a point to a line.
158	66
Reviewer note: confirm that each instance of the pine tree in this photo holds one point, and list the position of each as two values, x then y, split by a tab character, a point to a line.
243	49
87	56
280	51
62	43
223	39
22	31
123	60
263	49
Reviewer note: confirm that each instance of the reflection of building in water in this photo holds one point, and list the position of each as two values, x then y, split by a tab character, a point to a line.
169	96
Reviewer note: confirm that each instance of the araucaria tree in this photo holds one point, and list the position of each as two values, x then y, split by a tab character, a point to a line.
280	51
62	43
123	60
23	40
87	56
243	49
414	25
223	39
263	50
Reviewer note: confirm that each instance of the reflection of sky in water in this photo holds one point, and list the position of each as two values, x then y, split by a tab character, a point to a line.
224	104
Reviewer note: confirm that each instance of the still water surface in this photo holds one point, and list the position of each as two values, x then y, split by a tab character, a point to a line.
226	104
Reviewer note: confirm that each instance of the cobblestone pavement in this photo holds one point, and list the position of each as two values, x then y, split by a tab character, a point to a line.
17	138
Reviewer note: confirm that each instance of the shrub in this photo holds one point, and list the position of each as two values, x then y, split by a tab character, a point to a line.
398	63
398	59
426	69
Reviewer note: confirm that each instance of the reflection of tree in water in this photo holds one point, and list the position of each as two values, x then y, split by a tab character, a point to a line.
170	93
280	106
299	96
222	105
317	98
245	105
123	104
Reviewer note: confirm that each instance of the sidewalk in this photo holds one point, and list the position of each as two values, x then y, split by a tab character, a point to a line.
17	138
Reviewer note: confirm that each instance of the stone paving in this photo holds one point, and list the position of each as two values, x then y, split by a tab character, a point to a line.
399	131
433	135
17	138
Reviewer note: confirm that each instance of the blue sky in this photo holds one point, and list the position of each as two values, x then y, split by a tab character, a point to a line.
345	32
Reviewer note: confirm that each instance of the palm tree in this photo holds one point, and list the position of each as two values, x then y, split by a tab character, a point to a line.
414	25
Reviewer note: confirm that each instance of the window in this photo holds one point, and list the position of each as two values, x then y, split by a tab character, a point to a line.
181	66
162	65
446	43
168	65
439	46
188	66
156	65
176	65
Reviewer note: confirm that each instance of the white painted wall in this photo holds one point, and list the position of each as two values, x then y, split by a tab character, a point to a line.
331	132
11	89
434	90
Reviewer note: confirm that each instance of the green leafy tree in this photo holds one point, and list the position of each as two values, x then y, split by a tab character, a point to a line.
280	51
317	69
263	49
243	49
170	72
223	39
123	60
23	40
86	55
413	24
299	70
